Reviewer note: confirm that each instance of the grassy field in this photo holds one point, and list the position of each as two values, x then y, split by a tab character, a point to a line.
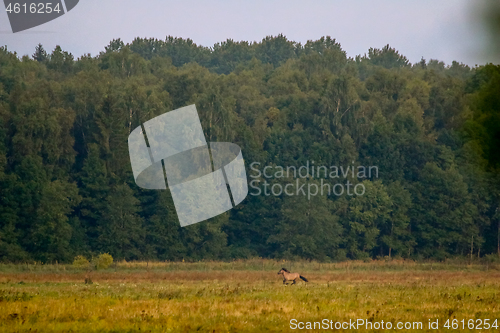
246	296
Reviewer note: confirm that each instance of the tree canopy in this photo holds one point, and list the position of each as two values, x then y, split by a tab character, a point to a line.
432	131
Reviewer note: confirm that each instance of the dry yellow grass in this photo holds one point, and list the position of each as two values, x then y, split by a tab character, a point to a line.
147	297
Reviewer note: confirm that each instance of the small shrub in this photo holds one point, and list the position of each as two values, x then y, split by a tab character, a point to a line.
103	261
492	258
81	262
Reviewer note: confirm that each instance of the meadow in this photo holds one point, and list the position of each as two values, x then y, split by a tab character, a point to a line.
248	296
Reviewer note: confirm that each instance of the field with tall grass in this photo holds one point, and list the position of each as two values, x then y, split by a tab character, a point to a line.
248	296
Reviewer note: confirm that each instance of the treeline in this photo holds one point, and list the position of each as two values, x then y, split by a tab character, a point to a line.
433	131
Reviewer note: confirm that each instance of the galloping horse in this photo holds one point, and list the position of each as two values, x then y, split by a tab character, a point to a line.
287	276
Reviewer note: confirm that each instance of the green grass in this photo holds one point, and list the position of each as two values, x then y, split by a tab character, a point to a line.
240	297
458	264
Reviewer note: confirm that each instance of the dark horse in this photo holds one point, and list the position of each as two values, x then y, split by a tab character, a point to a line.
287	276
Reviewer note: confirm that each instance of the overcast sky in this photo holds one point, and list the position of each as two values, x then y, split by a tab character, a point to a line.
446	30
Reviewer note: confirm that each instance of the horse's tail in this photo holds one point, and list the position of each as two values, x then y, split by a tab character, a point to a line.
303	278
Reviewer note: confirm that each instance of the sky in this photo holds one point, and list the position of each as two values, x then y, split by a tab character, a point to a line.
445	30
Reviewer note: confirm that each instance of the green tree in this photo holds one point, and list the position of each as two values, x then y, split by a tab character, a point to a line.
443	215
309	229
40	54
120	228
367	214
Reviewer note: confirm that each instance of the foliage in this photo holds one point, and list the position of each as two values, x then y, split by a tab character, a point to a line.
432	130
81	262
102	261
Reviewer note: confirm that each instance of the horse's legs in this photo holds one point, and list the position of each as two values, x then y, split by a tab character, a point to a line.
284	281
294	281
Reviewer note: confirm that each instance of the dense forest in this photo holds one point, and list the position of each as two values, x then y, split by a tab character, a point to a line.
432	130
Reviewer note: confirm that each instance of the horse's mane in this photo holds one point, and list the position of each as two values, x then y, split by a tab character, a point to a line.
286	270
